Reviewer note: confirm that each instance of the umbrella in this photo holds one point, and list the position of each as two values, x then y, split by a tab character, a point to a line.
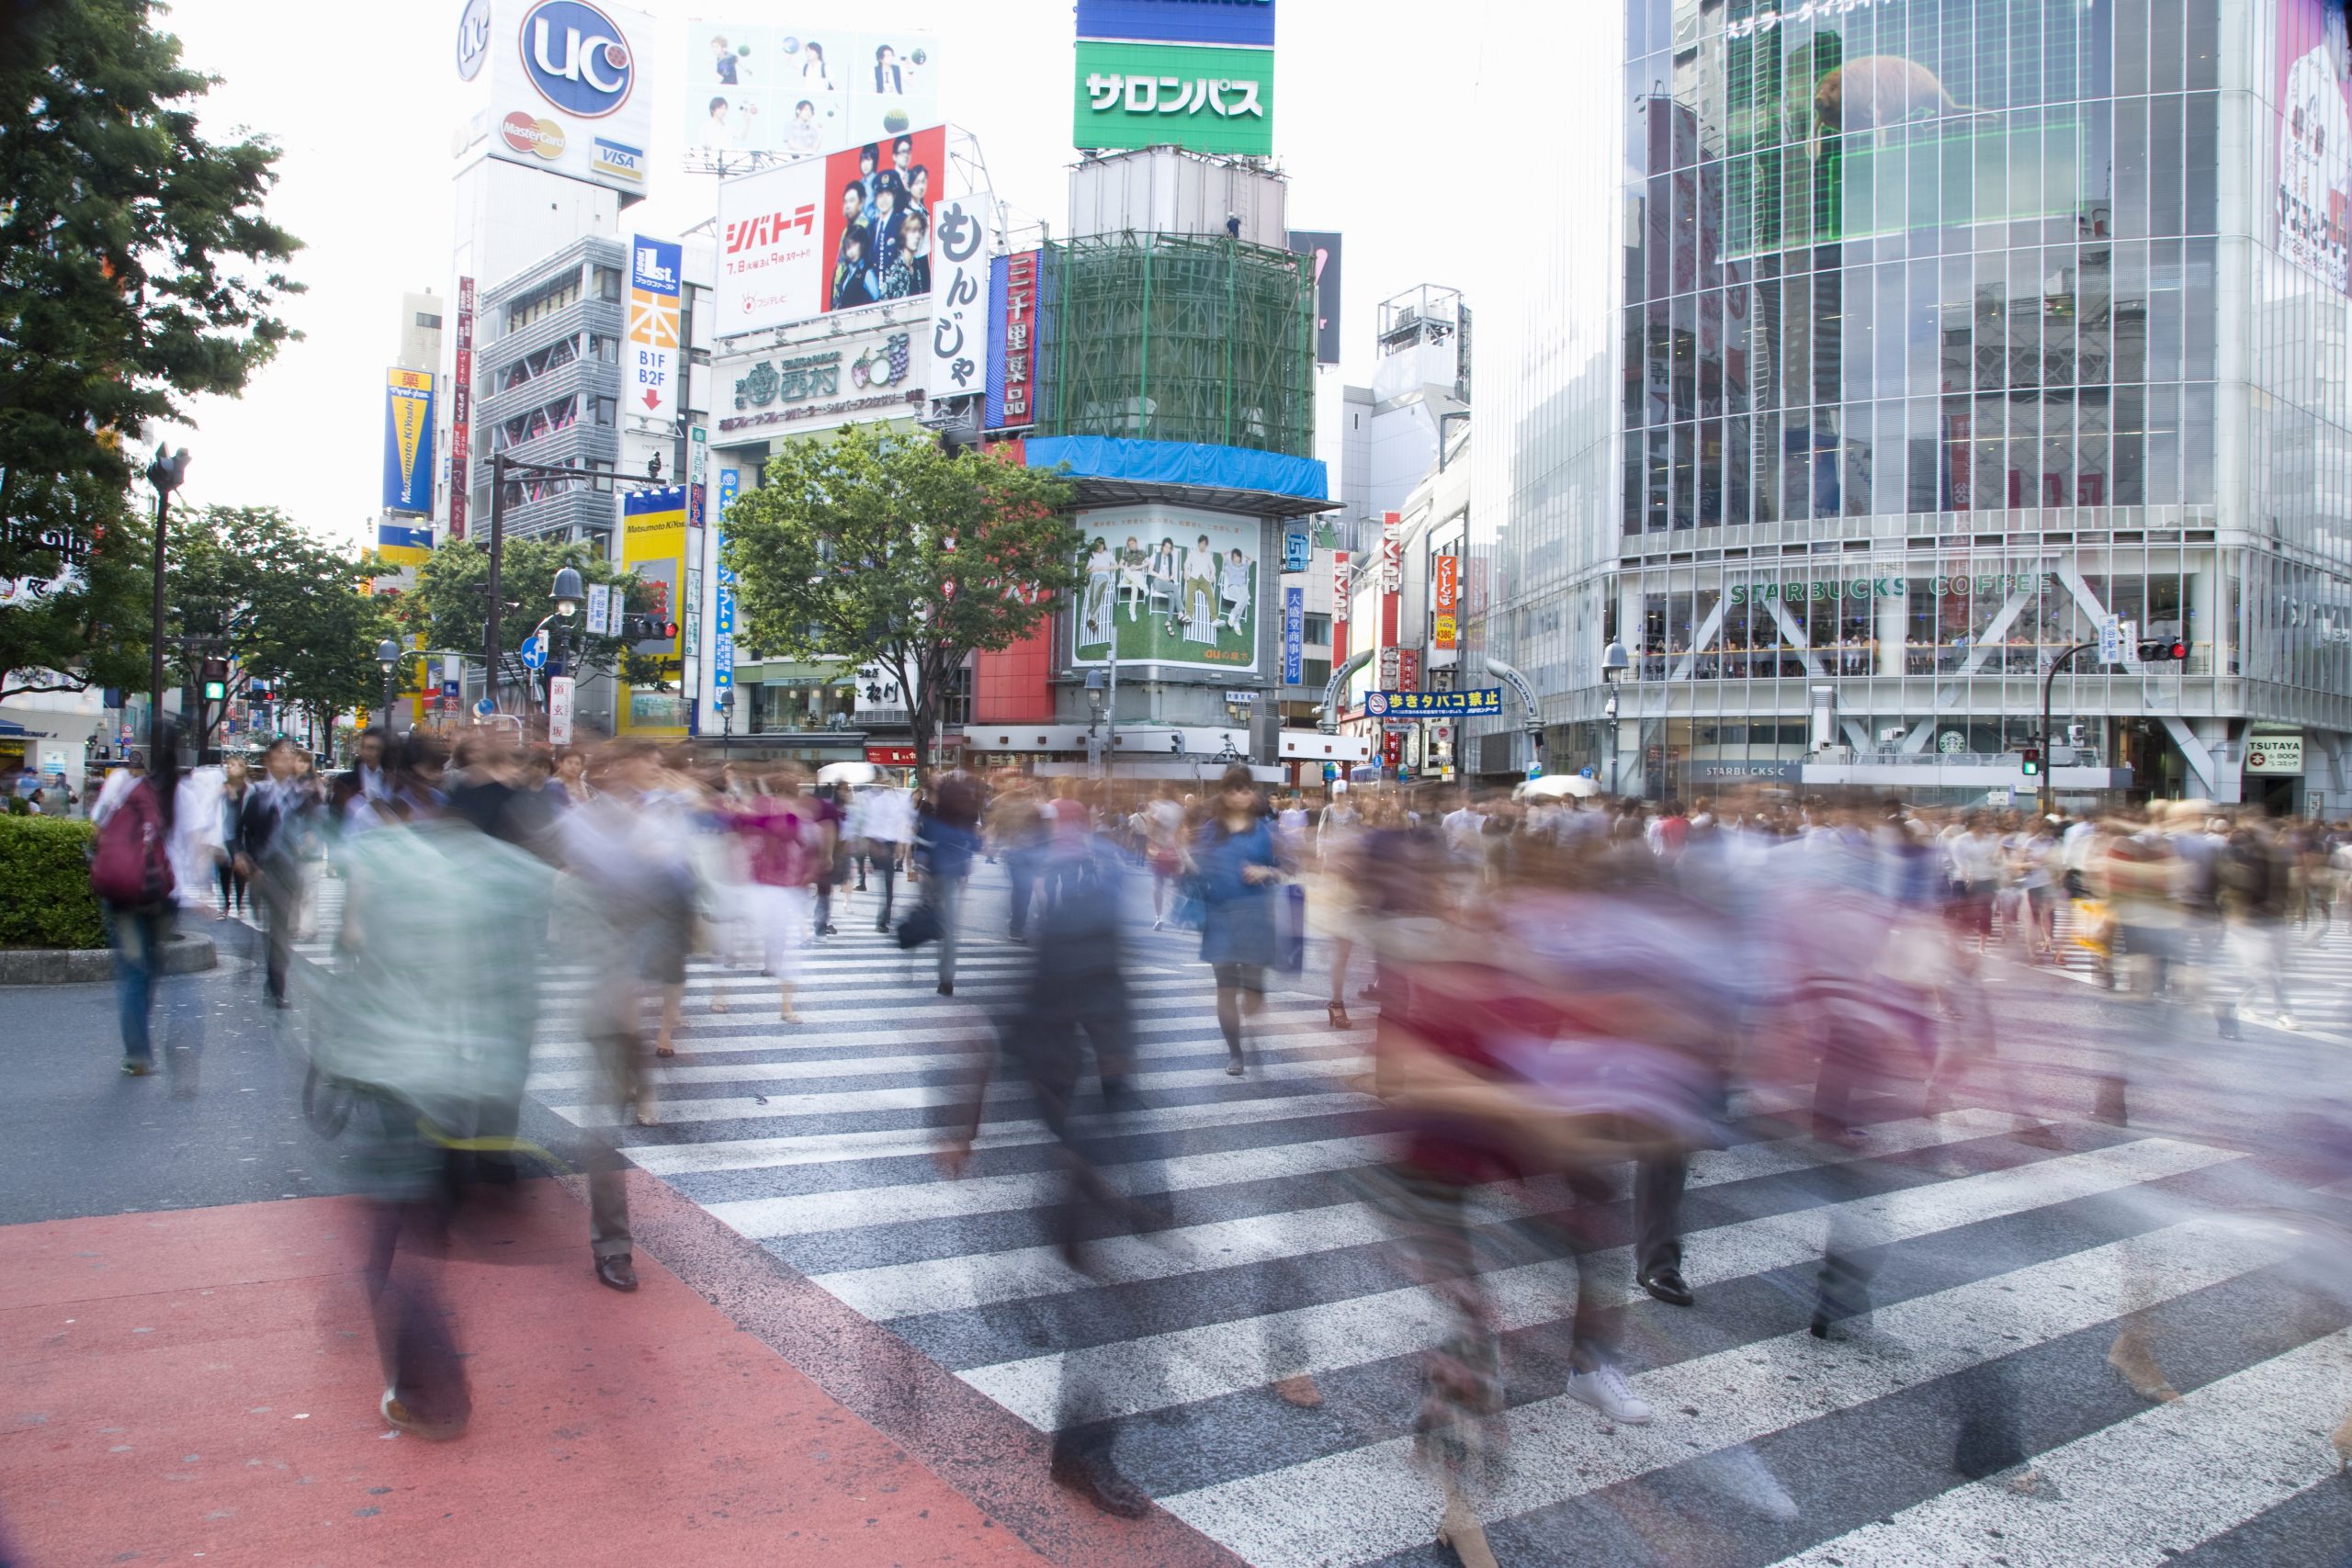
848	773
1550	786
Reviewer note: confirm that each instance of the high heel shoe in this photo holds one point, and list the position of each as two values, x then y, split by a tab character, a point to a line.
1338	1011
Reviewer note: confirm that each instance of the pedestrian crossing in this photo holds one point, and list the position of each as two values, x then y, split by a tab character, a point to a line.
2011	1250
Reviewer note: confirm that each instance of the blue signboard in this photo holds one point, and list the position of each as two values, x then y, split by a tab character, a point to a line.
1298	547
722	620
1433	705
1294	634
1246	22
408	440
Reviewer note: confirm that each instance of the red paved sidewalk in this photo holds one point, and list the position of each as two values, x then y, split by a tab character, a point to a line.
203	1384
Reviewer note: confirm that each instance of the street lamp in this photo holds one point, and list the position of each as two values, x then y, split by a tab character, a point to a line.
388	654
164	473
1613	665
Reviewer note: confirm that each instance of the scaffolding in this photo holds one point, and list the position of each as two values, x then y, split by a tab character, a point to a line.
1167	337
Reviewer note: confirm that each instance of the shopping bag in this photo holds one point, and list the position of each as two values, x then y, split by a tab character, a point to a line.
1289	927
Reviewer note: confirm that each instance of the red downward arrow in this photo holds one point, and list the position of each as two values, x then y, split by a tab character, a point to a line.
653	399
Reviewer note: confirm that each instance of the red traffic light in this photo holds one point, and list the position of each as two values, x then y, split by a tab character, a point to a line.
2171	650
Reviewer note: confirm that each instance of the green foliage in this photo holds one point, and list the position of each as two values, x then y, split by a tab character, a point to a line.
121	228
452	602
876	545
45	897
289	607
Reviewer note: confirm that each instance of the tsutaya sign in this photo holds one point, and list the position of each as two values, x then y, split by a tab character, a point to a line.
1991	585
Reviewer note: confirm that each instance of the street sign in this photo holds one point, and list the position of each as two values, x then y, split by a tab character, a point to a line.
485	707
559	710
1241	697
449	693
535	652
600	605
1426	704
2110	641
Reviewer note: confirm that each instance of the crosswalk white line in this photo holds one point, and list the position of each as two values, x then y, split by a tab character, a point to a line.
2144	1489
805	1214
1185	1365
906	1290
827	1148
565	1045
1372	1501
743	1108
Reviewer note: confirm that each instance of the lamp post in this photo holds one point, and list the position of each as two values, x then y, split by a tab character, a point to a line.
1613	665
388	654
164	473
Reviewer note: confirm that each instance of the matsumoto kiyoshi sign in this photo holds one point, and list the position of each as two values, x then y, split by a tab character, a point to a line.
826	383
1990	585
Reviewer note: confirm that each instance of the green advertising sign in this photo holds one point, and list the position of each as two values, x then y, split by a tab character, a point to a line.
1209	98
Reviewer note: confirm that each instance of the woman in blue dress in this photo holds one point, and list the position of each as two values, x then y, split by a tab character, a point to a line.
1238	869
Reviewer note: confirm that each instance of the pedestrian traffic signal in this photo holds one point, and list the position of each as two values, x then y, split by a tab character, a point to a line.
214	673
2168	650
2030	758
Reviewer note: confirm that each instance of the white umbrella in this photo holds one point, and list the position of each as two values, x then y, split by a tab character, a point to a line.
1550	786
848	773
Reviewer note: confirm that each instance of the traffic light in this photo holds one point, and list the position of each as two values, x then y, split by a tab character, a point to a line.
2030	760
2168	650
648	628
214	673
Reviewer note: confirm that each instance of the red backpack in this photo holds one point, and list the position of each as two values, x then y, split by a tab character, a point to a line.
130	867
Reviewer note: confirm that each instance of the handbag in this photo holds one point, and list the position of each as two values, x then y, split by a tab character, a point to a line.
921	925
1289	927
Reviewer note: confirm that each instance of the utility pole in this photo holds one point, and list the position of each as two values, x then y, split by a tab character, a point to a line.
490	640
164	473
2048	799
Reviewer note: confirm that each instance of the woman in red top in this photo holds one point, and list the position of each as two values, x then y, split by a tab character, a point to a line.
782	838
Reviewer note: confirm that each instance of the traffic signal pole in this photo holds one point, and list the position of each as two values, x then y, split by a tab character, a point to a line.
490	649
2048	798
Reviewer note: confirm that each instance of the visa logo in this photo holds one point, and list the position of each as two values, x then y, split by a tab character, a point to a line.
620	160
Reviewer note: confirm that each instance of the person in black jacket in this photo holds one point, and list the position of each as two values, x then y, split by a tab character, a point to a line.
268	853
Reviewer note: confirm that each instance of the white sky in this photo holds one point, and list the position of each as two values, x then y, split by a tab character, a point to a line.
1372	122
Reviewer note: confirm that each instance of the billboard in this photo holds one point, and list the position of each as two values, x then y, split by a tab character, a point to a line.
562	80
1324	246
791	92
462	405
2312	208
869	375
402	544
653	549
408	440
1012	340
1249	23
1170	585
958	339
825	234
649	371
1446	612
1294	634
1146	95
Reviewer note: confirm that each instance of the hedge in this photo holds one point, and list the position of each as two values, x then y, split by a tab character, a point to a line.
45	897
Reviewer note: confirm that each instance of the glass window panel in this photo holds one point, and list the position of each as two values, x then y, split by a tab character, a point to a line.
2130	450
1710	354
2165	309
1661	479
2198	308
2057	448
2131	311
1685	475
1828	327
2167	45
1957	457
1887	446
2202	160
2131	166
1822	460
2130	34
1796	466
2025	453
1855	486
2058	316
2093	304
2023	347
1658	361
1711	473
2197	443
1768	490
1888	330
1737	458
1685	345
1988	453
2091	447
2166	118
1633	501
1991	323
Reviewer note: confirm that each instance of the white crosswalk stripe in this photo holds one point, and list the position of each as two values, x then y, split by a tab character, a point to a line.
1267	1249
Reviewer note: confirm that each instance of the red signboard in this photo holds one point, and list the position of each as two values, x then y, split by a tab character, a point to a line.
1019	329
1445	620
891	756
461	409
1409	669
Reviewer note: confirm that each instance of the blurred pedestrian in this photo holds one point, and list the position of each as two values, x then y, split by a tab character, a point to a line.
784	845
268	851
947	838
1238	868
890	827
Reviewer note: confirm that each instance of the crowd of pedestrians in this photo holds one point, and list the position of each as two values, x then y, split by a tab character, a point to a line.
1575	993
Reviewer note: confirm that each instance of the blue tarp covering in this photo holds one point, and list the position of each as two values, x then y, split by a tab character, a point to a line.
1181	463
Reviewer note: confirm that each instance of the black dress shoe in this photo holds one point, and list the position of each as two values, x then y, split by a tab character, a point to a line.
1667	1285
616	1271
1093	1476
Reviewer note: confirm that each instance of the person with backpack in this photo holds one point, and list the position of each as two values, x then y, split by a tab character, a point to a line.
131	871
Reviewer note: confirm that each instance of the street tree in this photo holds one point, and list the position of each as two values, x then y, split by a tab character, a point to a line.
250	584
877	546
137	271
450	605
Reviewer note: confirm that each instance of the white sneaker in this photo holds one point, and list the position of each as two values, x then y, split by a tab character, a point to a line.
1605	1389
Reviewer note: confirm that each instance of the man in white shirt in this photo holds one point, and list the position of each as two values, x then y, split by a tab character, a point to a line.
888	825
1462	826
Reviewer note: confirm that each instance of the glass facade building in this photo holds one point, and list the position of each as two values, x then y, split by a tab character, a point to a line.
1898	343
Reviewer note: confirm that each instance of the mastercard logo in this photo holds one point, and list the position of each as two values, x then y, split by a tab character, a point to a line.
525	134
